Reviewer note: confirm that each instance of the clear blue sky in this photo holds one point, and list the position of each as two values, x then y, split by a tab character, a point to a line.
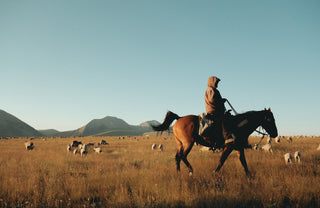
64	63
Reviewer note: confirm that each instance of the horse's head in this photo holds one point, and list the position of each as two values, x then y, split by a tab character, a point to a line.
269	124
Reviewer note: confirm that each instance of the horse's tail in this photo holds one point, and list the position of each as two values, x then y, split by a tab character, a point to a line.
170	117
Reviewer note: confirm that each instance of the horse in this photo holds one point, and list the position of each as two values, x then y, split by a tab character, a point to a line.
240	126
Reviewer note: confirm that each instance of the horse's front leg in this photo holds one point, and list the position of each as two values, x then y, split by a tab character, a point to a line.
243	160
226	152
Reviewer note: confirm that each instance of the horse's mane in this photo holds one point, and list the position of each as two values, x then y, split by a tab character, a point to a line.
246	114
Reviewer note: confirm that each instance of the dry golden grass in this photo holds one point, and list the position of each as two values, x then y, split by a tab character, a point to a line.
129	174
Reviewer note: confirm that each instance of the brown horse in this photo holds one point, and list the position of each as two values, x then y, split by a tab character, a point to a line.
240	127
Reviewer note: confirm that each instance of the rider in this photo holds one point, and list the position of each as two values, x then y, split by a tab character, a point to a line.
215	111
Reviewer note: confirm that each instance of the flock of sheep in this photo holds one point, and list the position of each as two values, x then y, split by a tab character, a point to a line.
154	147
77	147
288	158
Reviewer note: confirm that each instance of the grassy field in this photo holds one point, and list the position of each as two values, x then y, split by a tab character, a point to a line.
128	173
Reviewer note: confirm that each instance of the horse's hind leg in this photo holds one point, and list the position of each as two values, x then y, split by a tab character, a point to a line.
187	148
178	159
226	152
179	154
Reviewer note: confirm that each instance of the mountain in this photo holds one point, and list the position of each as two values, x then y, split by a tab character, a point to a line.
149	123
98	126
110	126
11	126
49	132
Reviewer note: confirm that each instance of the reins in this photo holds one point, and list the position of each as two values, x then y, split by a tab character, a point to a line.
263	134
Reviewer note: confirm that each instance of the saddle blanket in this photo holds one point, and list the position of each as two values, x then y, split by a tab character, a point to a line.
205	121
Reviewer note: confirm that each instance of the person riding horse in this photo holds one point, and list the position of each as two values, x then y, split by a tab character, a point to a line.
216	124
212	131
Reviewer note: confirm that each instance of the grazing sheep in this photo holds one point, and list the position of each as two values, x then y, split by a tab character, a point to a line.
29	145
204	149
90	144
154	146
75	151
297	156
267	147
103	142
76	143
288	158
97	149
161	147
83	150
69	147
289	139
277	139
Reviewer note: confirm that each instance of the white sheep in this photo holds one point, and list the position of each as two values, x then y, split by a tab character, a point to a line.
161	147
267	147
97	149
288	158
69	147
154	146
297	157
204	149
29	145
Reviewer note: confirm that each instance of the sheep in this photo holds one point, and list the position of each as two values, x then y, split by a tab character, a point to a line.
267	147
83	150
288	158
69	147
161	147
29	145
76	143
97	149
297	157
289	139
277	139
103	142
154	146
204	149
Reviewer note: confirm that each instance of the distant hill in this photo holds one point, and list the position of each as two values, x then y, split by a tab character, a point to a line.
149	123
110	126
11	126
98	126
49	132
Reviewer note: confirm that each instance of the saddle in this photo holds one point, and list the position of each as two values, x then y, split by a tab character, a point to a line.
206	122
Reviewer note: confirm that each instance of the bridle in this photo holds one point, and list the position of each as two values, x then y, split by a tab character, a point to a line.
258	131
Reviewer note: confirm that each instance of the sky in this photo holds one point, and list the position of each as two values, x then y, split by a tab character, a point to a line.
64	63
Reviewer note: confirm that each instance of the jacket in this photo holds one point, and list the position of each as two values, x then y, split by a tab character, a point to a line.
213	100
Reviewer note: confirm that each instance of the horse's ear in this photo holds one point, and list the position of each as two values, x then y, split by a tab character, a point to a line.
269	110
